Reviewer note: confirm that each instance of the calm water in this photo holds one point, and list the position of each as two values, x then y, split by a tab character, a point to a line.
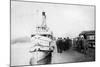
20	54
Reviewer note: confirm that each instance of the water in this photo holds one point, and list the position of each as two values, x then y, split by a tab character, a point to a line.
20	54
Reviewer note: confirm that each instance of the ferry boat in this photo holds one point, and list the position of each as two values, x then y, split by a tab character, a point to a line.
42	40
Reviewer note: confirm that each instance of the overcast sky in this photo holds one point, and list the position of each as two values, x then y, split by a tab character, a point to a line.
61	19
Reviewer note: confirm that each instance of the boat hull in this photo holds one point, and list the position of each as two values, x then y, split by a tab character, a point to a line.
41	57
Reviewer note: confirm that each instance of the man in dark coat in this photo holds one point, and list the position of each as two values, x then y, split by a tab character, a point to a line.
59	45
68	43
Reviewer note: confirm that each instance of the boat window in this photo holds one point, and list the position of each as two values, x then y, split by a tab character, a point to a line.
46	35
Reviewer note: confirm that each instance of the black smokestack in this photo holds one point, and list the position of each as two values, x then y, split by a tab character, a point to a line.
43	13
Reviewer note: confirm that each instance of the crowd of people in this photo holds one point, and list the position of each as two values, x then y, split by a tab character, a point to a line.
63	44
81	44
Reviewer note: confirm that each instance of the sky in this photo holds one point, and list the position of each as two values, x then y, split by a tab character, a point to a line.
63	20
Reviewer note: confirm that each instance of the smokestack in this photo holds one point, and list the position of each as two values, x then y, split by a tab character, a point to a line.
43	13
44	19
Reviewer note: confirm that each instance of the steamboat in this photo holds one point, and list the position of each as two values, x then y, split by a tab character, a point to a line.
43	47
